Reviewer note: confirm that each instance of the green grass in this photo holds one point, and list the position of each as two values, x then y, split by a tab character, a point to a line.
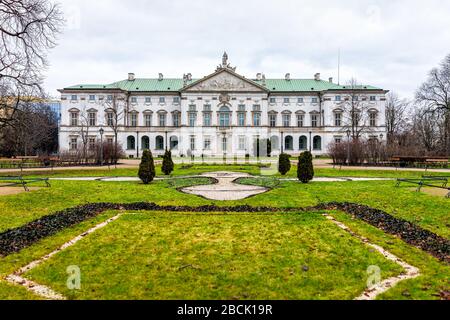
430	212
214	256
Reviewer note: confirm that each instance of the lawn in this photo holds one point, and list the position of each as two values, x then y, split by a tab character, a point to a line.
216	256
198	239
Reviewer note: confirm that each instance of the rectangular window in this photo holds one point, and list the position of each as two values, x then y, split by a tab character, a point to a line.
207	108
314	100
73	144
337	140
241	119
373	119
162	100
92	119
74	118
355	98
110	140
300	120
92	97
192	119
207	143
148	100
133	100
286	120
338	119
207	119
287	100
192	143
242	143
338	98
74	97
241	108
314	120
256	119
257	108
300	100
109	97
133	120
272	120
162	120
373	98
110	119
224	144
273	100
176	119
148	120
91	143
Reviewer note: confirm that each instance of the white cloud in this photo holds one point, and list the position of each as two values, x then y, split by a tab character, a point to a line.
391	44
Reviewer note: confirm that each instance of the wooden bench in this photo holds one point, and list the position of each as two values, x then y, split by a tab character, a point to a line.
427	182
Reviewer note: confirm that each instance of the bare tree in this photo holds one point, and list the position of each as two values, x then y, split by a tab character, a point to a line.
434	94
396	116
355	111
28	29
115	111
83	130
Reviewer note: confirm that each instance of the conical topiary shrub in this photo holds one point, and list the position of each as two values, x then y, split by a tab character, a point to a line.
167	164
147	167
305	170
284	164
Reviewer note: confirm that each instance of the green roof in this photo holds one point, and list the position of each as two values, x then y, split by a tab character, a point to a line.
175	85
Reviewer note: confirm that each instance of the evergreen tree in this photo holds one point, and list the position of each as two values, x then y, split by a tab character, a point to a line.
167	164
284	164
305	170
147	167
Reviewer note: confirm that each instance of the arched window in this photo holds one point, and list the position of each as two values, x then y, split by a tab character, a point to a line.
145	143
303	143
289	143
224	116
159	143
317	143
131	143
173	143
275	144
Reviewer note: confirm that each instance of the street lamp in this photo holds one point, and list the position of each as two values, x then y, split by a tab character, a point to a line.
348	146
137	144
310	141
101	145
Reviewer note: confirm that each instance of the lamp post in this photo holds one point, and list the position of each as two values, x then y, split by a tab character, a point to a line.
137	144
348	146
101	145
282	142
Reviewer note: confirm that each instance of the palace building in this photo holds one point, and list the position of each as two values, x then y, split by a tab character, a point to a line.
223	113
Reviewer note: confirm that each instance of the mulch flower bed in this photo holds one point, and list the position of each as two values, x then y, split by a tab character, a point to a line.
13	241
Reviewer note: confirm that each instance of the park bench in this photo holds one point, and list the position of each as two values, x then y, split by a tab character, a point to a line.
427	181
7	181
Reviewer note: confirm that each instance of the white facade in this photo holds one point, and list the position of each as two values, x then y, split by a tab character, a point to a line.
221	114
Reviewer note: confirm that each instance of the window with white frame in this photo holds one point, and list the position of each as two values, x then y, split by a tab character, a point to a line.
133	119
148	119
91	144
286	120
91	97
176	119
337	98
133	100
73	143
287	100
338	119
74	118
300	120
224	144
207	119
109	97
314	100
148	100
192	140
373	119
207	143
241	119
314	120
300	100
176	100
110	119
272	120
162	100
242	143
92	119
373	98
74	97
162	119
273	100
192	119
256	119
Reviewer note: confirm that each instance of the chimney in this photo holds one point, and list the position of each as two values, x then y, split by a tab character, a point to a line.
330	80
258	76
263	79
160	77
131	77
317	77
288	77
189	77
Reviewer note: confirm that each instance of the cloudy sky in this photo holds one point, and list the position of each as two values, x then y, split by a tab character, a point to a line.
387	43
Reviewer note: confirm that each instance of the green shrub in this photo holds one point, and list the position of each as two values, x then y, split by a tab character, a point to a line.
167	164
305	170
284	164
147	167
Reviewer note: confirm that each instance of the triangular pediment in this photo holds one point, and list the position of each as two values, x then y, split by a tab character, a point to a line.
224	80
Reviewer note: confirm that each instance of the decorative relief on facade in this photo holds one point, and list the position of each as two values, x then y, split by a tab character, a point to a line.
225	82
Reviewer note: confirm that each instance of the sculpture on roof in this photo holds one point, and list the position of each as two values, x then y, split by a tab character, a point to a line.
225	64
